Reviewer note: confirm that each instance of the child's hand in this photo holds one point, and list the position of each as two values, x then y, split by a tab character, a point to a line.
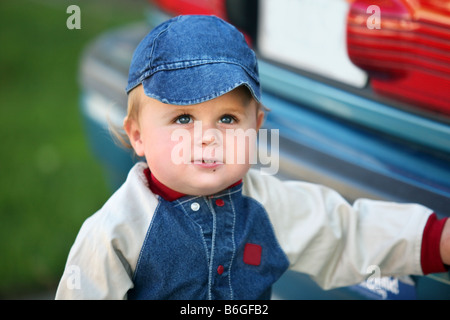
445	243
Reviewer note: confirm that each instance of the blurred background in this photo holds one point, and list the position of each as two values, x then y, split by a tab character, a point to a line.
50	181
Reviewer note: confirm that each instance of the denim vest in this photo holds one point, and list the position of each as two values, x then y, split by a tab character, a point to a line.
217	247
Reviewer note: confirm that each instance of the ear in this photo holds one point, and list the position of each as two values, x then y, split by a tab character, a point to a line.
259	119
133	131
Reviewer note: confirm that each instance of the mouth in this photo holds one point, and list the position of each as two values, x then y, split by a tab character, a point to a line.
207	163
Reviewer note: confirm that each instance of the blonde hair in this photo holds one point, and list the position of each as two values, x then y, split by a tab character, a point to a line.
118	133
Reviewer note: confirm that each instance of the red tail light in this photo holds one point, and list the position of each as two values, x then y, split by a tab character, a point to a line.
408	56
177	7
240	13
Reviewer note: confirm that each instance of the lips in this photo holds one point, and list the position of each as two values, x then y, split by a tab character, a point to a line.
207	163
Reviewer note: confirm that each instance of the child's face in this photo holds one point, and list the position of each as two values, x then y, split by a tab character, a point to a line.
197	149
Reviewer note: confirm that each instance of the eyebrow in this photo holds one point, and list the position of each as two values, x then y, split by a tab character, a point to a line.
174	110
234	109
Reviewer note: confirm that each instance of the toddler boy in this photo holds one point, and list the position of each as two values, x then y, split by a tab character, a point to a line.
209	226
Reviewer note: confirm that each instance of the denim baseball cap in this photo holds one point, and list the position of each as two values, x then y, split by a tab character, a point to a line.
191	59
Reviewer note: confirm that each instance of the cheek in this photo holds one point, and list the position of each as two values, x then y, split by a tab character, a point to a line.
156	143
166	148
241	147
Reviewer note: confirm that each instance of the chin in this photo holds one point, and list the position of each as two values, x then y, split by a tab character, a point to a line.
206	187
209	182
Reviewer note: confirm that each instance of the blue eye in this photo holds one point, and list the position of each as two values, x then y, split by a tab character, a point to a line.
183	119
227	119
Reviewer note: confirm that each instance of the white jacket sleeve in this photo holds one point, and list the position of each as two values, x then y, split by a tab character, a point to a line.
92	261
335	242
103	258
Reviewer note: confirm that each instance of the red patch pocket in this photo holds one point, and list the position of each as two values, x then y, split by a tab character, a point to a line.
252	254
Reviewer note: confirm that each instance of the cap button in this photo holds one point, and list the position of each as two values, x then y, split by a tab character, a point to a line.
220	202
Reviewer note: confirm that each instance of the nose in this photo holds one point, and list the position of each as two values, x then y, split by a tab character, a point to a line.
208	138
206	134
208	141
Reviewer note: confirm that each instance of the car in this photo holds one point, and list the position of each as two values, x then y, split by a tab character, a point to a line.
359	94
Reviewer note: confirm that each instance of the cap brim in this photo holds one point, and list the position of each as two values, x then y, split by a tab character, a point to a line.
198	84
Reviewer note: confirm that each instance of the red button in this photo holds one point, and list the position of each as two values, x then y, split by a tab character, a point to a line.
220	202
220	269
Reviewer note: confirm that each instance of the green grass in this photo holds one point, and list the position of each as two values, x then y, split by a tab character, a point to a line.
50	181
